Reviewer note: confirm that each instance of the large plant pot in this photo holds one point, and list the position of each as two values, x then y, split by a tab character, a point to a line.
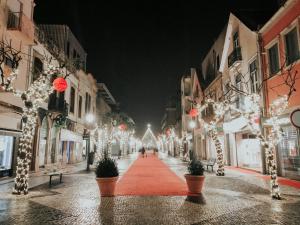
107	185
194	183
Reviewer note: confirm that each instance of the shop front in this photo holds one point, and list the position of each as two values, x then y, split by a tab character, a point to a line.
9	139
8	148
71	146
243	149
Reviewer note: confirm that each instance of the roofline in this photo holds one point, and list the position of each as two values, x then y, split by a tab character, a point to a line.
284	7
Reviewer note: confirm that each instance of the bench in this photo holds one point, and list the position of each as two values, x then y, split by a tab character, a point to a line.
55	174
210	162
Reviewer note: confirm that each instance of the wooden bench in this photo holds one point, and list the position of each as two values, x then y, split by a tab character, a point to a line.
210	162
55	174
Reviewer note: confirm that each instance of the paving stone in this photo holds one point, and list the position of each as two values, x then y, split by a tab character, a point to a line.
225	200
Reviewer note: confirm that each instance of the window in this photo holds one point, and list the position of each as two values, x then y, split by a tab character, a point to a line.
68	49
72	100
253	76
291	46
37	68
273	59
289	150
74	54
87	103
8	62
218	62
238	84
79	106
236	43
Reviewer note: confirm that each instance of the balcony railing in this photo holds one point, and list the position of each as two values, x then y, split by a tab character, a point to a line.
235	55
14	20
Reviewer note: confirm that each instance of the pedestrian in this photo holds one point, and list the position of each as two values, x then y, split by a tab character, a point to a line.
143	152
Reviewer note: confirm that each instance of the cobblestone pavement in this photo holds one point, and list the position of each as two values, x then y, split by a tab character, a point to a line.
225	200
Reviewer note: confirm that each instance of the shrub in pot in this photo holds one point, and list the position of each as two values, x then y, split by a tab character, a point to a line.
195	177
107	174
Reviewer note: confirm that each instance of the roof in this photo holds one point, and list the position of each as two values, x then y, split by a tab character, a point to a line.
254	19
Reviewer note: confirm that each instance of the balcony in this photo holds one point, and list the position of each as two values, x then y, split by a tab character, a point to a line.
235	57
58	105
21	24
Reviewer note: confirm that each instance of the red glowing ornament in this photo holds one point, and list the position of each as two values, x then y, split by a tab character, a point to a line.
122	127
168	131
193	112
60	84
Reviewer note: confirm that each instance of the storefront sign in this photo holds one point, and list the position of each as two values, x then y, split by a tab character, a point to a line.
295	118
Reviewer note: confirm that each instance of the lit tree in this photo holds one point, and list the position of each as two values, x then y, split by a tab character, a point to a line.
37	93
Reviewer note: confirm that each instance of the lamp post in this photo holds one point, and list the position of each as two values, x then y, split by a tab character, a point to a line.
90	125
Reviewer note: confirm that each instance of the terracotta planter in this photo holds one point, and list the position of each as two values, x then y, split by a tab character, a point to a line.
107	185
194	183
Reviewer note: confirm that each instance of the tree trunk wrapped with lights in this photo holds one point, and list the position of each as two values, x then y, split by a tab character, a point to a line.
37	93
214	135
275	136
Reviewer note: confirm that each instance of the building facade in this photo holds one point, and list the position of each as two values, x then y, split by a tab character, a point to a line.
16	33
241	74
280	44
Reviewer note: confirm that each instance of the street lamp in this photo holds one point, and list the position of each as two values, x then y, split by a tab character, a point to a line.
90	125
192	124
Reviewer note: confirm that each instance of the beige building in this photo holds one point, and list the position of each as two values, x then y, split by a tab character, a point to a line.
240	68
17	30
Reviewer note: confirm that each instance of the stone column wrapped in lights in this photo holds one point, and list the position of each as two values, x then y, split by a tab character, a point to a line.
37	93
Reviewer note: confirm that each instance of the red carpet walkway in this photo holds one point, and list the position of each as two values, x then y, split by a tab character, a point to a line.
150	177
281	180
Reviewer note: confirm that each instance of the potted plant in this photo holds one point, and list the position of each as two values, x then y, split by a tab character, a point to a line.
195	177
107	174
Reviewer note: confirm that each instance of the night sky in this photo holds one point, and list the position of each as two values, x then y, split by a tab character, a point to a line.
141	49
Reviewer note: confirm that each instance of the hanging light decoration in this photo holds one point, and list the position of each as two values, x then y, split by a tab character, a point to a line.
60	84
193	112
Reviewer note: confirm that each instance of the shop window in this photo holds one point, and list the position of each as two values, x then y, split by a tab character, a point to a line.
6	150
289	151
291	46
273	59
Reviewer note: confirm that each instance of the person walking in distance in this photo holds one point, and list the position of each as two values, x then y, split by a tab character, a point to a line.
143	151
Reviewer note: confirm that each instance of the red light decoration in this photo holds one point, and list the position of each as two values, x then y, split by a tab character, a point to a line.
60	84
122	126
168	131
193	112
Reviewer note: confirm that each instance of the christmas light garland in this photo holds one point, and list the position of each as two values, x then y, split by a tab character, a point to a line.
250	112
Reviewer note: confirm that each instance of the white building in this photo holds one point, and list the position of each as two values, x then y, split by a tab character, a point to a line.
240	67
